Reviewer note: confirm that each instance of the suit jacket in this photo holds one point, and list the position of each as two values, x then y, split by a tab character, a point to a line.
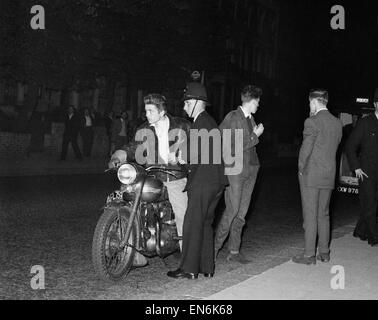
237	120
72	126
364	138
180	142
317	157
201	173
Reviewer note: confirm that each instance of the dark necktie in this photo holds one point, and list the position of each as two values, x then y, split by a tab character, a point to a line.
249	122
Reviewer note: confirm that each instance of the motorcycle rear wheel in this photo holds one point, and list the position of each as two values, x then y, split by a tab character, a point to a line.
110	262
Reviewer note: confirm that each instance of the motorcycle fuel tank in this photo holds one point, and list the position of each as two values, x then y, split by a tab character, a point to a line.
152	189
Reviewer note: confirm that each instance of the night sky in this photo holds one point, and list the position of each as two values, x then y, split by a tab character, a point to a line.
343	61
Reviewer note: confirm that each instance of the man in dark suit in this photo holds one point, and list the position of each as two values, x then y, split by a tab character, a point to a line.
241	184
317	170
205	186
364	138
71	130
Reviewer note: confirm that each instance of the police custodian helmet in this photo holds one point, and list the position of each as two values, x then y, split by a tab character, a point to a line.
195	90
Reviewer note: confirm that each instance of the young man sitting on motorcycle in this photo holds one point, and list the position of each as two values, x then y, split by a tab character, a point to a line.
159	125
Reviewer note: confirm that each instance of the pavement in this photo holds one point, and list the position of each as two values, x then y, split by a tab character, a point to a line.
351	274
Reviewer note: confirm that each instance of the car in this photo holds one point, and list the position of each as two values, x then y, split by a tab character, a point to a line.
346	180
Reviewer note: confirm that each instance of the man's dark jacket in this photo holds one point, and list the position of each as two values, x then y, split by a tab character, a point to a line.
72	126
362	145
182	141
211	173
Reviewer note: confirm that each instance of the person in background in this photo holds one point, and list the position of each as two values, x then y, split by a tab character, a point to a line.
119	131
71	132
362	153
316	173
87	132
108	121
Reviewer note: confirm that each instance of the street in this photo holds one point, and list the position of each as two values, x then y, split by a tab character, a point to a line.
50	220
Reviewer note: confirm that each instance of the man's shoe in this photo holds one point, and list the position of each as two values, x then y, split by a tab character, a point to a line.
302	259
238	257
139	260
208	275
362	237
323	257
179	273
373	242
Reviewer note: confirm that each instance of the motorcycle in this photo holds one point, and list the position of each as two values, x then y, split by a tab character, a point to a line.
137	218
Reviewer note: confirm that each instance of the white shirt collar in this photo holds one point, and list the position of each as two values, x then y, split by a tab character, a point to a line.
195	118
161	129
162	123
245	113
320	110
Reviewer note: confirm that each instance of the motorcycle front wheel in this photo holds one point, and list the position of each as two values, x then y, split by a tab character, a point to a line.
110	261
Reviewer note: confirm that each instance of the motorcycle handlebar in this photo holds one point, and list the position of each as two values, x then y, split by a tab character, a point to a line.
165	168
161	168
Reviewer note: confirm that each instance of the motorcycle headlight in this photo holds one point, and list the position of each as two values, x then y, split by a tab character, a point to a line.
126	174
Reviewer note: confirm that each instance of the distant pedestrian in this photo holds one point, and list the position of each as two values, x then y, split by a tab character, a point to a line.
238	193
316	173
108	121
362	153
71	132
87	132
119	131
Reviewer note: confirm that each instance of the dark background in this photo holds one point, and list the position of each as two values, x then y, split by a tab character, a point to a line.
154	45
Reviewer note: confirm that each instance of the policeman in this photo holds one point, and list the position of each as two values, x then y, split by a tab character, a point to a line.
205	186
364	138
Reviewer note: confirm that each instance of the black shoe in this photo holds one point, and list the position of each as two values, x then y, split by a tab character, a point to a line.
302	259
323	257
208	275
179	273
362	237
373	241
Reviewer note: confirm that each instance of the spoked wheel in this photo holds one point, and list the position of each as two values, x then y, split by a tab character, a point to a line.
110	260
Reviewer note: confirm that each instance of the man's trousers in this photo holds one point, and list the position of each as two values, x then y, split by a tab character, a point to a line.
73	140
198	234
237	198
315	210
179	202
368	194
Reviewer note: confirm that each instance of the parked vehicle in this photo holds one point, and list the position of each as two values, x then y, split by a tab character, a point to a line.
136	218
346	181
